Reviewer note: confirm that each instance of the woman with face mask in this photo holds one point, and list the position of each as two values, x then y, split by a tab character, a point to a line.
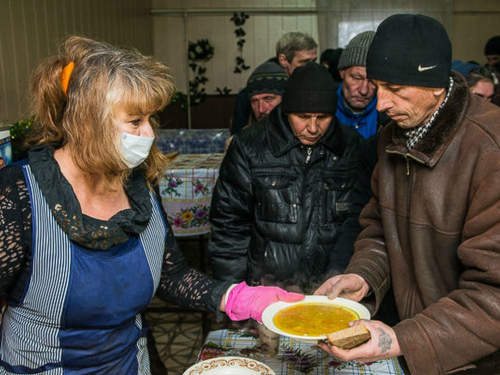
84	241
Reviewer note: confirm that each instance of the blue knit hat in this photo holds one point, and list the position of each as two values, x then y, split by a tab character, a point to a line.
462	67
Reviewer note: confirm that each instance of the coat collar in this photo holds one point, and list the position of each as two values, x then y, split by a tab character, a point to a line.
281	140
430	148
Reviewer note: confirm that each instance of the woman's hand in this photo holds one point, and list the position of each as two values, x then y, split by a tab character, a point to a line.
383	344
246	302
349	286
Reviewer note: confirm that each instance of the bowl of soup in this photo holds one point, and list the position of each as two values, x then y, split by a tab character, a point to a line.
312	318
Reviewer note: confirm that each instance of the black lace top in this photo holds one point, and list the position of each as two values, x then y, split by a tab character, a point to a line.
179	283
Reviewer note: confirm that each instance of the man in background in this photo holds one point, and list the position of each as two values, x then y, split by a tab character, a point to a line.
265	86
264	89
356	99
492	52
293	49
330	59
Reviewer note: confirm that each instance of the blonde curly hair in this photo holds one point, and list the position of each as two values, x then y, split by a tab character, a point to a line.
83	117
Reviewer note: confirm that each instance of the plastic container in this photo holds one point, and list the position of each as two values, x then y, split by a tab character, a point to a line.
5	146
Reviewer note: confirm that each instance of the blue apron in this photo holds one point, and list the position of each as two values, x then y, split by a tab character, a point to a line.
81	311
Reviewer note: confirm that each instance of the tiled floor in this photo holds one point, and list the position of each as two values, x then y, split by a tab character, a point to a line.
179	335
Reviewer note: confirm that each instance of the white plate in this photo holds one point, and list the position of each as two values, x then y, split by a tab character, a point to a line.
269	313
229	366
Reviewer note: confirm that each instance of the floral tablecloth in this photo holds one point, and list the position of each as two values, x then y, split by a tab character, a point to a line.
294	357
192	141
186	191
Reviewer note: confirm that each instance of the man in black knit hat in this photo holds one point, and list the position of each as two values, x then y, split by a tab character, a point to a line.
492	52
284	189
432	228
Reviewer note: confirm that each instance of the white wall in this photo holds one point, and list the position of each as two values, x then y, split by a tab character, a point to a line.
31	30
268	21
472	23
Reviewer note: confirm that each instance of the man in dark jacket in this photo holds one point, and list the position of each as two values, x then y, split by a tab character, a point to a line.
432	227
284	189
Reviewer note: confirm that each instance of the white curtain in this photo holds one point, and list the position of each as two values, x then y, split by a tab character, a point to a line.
340	20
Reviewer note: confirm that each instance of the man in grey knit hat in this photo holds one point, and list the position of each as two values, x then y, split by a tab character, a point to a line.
356	99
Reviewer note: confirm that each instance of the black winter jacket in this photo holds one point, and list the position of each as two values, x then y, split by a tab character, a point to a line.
278	204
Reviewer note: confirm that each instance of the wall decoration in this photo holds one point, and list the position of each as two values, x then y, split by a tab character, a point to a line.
199	52
223	91
202	50
239	20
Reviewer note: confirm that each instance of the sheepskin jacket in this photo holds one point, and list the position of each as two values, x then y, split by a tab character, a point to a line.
433	230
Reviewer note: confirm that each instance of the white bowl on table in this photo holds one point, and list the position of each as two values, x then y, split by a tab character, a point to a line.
229	366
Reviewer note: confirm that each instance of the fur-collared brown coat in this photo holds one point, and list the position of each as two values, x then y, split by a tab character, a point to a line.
433	230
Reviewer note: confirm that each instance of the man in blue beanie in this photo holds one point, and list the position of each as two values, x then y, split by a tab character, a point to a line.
432	228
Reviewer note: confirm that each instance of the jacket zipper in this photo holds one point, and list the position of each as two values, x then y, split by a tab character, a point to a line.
309	153
407	157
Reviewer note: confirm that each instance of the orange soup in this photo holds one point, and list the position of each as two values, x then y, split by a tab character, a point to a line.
313	319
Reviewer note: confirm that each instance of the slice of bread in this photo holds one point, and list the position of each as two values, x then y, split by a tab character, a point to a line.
350	337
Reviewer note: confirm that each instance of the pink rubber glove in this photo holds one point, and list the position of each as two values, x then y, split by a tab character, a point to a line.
246	302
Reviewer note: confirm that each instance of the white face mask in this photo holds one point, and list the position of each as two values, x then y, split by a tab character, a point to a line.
135	149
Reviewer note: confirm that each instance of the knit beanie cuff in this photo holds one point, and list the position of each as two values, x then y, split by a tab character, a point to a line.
310	89
355	52
268	77
310	102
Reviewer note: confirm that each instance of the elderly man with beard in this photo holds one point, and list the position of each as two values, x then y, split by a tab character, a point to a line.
432	228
